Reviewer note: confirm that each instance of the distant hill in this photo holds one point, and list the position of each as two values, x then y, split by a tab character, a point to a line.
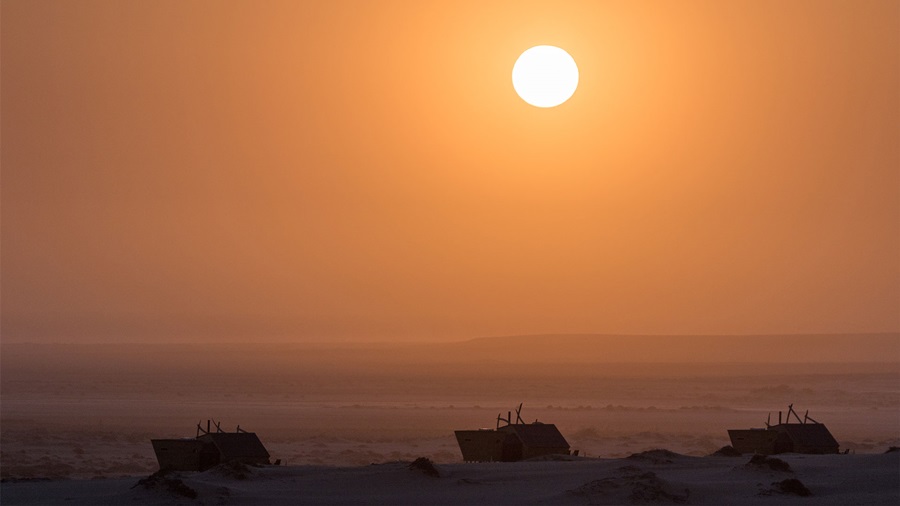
491	356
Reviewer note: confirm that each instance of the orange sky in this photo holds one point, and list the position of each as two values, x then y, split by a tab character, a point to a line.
364	170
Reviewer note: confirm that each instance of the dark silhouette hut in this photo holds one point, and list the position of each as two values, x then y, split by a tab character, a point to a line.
209	449
803	436
511	442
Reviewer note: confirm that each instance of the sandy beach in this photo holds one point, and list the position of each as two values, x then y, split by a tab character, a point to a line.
76	432
653	477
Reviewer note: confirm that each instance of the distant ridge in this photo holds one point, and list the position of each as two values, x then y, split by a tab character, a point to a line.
481	360
502	356
774	348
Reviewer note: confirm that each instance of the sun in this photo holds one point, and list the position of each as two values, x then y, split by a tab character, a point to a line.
545	76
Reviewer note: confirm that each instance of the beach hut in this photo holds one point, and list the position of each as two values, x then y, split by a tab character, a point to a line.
209	448
803	436
511	442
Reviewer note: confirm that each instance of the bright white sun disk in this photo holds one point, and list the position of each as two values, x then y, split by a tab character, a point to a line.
545	76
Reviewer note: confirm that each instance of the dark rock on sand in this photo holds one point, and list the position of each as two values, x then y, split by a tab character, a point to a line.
792	486
655	456
232	469
165	481
635	488
768	463
726	451
426	466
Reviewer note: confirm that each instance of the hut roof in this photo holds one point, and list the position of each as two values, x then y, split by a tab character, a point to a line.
539	435
237	444
808	434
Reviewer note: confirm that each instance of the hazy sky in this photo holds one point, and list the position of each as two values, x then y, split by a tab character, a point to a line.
365	170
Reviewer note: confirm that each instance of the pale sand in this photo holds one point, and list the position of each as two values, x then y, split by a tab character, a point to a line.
675	479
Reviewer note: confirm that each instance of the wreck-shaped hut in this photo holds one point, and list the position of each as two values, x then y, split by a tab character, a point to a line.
511	442
209	448
803	436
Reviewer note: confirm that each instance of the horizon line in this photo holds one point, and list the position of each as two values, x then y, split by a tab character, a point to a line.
340	341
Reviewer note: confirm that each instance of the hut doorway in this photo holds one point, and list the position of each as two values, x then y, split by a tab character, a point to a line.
511	450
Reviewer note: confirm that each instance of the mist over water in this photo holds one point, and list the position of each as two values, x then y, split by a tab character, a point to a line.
90	410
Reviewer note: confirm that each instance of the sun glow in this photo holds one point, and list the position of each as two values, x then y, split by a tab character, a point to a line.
545	76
